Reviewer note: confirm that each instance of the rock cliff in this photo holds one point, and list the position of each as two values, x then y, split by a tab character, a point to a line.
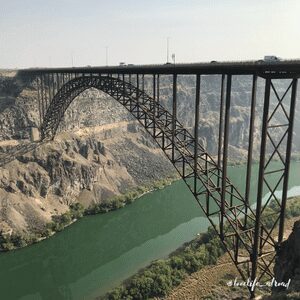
77	167
287	266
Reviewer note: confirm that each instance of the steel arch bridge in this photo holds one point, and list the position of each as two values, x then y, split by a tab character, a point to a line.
250	243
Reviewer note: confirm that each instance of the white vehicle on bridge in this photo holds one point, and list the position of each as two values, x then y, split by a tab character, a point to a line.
271	58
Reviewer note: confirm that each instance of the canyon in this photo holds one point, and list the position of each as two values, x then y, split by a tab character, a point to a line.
100	150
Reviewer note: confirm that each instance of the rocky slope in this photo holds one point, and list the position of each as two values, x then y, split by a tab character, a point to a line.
77	167
287	266
100	152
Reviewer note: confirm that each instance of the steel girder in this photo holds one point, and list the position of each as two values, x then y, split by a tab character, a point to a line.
239	226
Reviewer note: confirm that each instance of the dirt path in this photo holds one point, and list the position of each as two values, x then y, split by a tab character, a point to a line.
200	284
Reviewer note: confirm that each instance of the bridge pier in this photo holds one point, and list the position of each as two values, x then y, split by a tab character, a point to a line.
174	114
288	158
225	152
196	130
250	146
221	124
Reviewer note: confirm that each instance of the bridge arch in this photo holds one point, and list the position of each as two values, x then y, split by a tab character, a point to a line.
196	167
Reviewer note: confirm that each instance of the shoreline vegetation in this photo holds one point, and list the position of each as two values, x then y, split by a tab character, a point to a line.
161	276
15	241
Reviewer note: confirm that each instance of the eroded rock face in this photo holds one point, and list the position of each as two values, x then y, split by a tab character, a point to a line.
77	167
287	266
91	160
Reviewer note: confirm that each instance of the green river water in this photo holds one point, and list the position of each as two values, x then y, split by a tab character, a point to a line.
98	252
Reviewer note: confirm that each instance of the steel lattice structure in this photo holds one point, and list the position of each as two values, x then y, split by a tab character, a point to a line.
241	227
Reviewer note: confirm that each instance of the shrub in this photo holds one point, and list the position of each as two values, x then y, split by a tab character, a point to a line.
161	276
8	246
77	210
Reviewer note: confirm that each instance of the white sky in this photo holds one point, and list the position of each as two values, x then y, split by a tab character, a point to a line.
36	33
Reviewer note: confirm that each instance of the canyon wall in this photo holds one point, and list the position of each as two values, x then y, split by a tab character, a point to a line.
101	151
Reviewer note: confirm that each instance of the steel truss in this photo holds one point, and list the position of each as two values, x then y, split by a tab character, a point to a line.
241	227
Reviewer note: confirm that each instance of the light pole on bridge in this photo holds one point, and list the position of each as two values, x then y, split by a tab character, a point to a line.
168	42
106	55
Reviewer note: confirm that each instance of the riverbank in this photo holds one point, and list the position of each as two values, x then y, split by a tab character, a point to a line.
76	211
161	276
10	242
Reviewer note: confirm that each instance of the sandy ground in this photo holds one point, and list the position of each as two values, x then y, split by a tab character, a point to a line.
211	281
98	129
9	143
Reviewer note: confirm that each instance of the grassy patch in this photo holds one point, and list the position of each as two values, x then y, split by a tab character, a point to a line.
128	197
15	241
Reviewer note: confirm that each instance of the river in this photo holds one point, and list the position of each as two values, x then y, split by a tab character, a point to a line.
96	253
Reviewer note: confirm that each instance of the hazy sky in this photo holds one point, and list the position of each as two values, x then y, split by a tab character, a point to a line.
51	32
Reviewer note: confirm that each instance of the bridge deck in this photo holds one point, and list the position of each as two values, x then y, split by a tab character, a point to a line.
239	68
